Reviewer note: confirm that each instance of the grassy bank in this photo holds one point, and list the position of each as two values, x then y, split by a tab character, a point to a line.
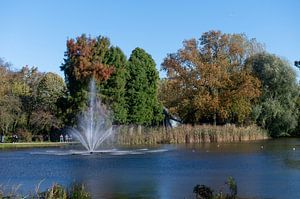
132	135
30	144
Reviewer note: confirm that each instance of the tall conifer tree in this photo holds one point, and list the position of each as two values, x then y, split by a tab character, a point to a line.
141	88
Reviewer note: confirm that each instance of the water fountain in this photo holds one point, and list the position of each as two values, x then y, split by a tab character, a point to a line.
94	125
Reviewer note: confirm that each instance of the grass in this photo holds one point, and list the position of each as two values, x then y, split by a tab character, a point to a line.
31	144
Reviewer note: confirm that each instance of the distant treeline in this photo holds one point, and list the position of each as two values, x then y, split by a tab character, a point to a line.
218	79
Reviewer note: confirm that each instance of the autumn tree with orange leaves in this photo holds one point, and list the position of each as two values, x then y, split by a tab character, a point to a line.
85	58
206	79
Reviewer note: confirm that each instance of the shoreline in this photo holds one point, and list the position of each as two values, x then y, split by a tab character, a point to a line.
32	145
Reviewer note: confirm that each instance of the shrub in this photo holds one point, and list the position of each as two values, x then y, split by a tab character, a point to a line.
203	192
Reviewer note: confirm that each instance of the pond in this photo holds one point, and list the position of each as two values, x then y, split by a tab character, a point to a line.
264	169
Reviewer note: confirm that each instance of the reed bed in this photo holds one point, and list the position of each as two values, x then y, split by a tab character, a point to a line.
134	135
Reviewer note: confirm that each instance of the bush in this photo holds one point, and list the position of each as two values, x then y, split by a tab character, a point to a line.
24	135
76	191
205	192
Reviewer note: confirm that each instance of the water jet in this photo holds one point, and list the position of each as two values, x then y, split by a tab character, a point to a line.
94	124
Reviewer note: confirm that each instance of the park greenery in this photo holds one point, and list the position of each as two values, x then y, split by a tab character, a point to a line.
217	80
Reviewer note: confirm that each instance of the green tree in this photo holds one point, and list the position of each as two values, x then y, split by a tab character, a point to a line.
10	110
141	89
296	131
276	110
45	117
25	86
113	89
15	87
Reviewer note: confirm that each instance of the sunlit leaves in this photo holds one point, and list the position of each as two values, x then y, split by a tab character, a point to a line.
86	58
209	79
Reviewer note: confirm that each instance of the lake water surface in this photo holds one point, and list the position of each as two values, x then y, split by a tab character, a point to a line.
265	169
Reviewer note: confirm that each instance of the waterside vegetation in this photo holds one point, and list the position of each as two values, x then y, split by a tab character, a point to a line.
78	191
136	135
56	191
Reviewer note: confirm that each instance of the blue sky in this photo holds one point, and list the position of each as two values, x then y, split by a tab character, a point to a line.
34	32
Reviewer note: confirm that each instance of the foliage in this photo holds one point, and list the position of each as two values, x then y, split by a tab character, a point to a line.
205	192
113	90
207	82
78	191
85	58
88	58
296	131
276	110
232	187
28	101
218	79
25	88
10	105
141	89
50	89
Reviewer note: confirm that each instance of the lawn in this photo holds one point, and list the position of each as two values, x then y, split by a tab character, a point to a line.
31	144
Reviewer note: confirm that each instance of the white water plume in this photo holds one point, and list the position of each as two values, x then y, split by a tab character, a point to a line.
94	125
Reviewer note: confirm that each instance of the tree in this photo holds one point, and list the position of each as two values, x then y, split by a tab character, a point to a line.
86	58
45	117
296	131
14	113
141	89
113	90
10	110
50	88
276	110
25	84
208	80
